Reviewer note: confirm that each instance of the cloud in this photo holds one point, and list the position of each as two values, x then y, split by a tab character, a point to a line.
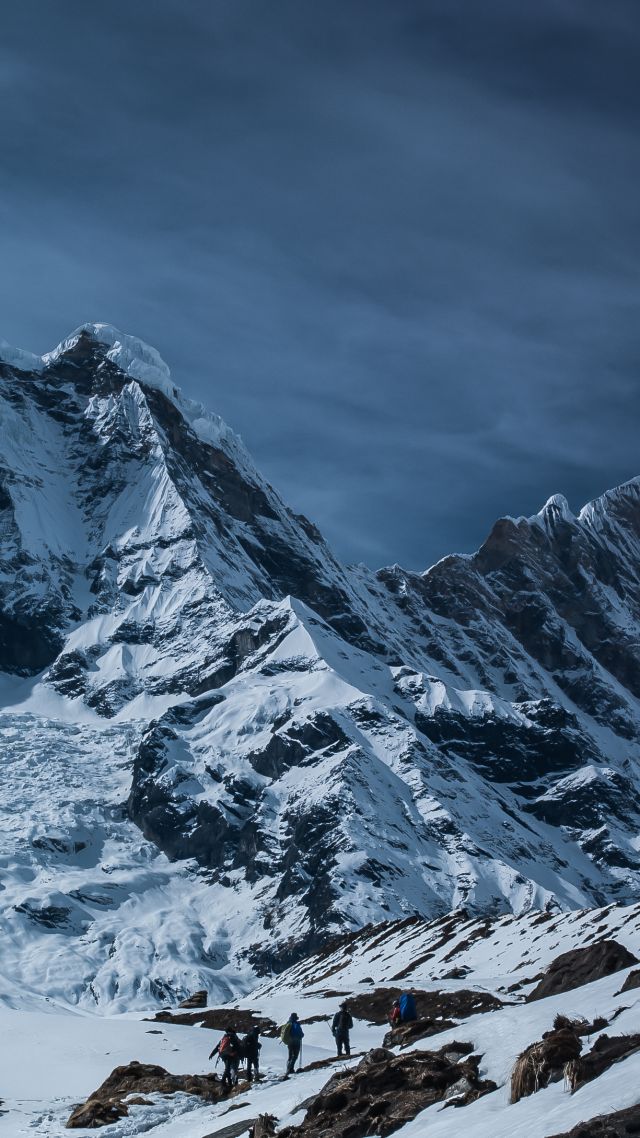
394	244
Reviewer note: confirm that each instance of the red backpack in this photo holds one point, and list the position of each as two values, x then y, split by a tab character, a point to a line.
227	1047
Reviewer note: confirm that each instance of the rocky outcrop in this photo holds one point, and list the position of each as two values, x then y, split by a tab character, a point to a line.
126	1086
559	1055
384	1092
620	1124
582	966
431	1006
632	981
197	1000
606	1051
217	1019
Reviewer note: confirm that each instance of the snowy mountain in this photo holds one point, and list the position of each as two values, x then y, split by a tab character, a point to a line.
222	747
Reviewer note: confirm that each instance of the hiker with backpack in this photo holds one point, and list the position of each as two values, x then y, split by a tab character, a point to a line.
341	1026
251	1046
229	1049
291	1034
394	1015
407	1004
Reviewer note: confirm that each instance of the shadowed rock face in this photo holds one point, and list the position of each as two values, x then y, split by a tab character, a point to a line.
560	590
582	966
418	742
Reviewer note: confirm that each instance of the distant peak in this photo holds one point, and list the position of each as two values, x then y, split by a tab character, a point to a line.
556	507
19	359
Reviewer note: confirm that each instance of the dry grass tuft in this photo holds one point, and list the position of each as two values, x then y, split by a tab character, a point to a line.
525	1077
573	1074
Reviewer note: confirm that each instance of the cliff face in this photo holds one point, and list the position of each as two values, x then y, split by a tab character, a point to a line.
203	707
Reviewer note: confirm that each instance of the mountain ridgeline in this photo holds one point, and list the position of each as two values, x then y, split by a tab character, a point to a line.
311	747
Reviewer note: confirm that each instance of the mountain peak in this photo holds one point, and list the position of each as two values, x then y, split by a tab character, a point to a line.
555	509
144	364
132	356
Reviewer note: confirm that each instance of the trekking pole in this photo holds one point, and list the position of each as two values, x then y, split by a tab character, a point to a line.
300	1060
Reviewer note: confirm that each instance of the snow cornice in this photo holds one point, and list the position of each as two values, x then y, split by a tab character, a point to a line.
144	364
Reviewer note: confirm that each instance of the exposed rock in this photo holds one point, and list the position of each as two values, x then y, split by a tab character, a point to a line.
234	1130
406	1033
579	1025
197	1000
385	1091
605	1051
582	966
621	1124
321	1064
632	981
430	1006
241	1019
264	1126
113	1098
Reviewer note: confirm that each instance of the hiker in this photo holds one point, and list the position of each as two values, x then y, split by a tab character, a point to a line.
291	1034
394	1014
407	1005
341	1026
251	1046
229	1050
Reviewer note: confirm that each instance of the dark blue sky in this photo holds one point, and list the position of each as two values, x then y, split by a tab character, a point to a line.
394	243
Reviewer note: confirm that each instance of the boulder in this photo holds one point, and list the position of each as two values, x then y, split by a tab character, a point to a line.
197	1000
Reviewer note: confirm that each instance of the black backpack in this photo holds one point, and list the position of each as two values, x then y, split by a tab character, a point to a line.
345	1023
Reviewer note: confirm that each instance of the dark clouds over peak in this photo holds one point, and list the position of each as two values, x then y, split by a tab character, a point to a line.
394	244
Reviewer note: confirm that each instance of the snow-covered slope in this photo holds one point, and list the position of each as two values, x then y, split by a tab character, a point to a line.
222	747
57	1057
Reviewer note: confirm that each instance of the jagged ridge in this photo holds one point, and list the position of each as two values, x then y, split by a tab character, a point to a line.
313	746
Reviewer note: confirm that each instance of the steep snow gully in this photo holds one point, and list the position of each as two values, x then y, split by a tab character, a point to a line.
222	748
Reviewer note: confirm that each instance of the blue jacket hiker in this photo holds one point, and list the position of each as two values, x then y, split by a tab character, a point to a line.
408	1007
291	1034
